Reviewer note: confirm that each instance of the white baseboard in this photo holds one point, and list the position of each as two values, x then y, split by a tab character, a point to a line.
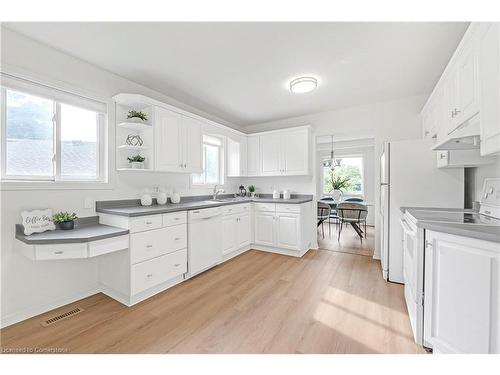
277	250
236	253
43	308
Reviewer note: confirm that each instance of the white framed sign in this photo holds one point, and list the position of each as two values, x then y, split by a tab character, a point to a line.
37	221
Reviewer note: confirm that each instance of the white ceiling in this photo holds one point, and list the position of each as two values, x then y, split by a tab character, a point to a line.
240	71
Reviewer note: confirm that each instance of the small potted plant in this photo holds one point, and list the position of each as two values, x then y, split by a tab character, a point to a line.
251	190
136	162
137	116
64	220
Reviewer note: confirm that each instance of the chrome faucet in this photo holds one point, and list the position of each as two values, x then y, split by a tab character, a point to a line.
217	192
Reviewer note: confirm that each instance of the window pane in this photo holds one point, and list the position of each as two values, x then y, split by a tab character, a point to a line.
212	164
347	177
79	129
29	135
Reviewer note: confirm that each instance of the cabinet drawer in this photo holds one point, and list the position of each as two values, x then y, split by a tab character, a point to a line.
61	251
156	271
265	207
139	224
108	245
151	244
174	218
283	207
235	208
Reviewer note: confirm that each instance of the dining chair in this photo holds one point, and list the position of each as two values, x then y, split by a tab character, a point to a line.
353	213
324	210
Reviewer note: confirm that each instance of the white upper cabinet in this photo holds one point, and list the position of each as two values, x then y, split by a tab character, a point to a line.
253	155
285	153
178	142
236	156
489	79
463	112
192	145
295	152
168	140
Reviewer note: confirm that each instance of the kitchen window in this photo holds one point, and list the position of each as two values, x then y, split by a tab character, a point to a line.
51	136
347	172
213	171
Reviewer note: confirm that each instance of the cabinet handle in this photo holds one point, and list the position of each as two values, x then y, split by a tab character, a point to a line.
442	156
177	265
149	222
149	246
177	218
452	114
58	252
176	239
149	275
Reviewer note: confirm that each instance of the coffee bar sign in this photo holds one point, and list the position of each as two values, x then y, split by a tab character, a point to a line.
37	221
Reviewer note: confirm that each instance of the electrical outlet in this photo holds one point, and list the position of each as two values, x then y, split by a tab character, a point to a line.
87	203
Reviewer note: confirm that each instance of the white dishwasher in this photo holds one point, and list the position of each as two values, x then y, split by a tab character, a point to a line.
204	239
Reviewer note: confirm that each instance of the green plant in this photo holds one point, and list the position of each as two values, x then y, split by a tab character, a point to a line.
251	189
334	182
62	217
137	114
136	158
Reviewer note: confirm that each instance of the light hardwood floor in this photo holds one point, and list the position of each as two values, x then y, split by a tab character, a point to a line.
325	302
349	240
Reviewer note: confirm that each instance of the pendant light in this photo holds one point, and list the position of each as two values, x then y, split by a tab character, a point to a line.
333	162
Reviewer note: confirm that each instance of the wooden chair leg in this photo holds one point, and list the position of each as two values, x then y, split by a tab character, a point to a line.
323	228
365	229
340	230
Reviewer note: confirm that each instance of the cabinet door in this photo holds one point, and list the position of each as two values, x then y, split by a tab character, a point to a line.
461	294
264	228
271	152
244	230
450	88
236	157
229	234
468	90
192	145
253	156
288	231
489	78
168	140
295	152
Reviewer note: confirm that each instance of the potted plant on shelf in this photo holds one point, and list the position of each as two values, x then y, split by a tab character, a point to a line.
138	116
136	162
251	190
64	220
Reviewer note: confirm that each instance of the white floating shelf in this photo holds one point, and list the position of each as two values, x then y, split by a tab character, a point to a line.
135	169
134	125
129	147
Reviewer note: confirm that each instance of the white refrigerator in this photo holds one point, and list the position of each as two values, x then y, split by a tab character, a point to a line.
409	177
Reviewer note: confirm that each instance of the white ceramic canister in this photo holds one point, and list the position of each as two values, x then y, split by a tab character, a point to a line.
286	194
146	199
175	198
161	198
276	194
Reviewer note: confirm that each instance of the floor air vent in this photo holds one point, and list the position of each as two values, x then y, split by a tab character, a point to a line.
58	318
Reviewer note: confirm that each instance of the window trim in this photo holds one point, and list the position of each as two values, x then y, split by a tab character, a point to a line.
222	149
347	156
15	182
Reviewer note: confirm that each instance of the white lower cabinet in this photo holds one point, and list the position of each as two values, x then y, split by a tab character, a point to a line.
236	228
281	226
462	294
150	273
288	231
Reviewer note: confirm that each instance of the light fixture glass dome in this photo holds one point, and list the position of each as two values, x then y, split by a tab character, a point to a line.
303	84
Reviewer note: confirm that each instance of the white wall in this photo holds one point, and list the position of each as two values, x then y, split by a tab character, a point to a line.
29	287
387	121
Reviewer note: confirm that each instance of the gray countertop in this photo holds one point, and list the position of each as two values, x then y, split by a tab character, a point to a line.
132	207
478	231
86	229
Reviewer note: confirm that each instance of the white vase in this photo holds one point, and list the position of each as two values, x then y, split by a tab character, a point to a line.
175	198
146	200
276	194
136	165
286	194
161	198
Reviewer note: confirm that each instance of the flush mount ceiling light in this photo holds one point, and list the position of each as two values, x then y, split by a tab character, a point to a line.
303	84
